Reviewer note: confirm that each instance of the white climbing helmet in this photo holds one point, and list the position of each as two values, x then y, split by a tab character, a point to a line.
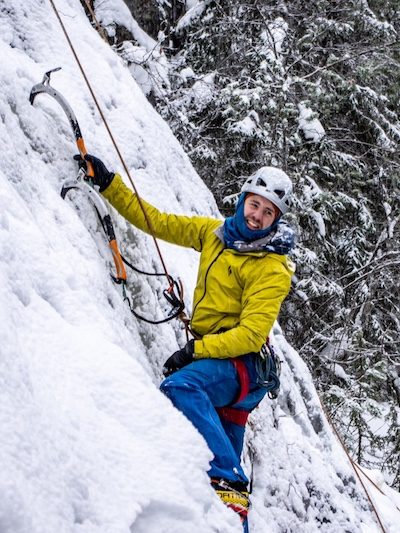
273	184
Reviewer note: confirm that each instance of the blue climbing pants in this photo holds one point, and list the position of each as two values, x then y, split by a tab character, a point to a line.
197	390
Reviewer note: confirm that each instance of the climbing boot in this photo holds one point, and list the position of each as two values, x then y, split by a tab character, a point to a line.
234	494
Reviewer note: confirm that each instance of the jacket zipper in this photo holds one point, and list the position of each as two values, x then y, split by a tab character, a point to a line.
205	280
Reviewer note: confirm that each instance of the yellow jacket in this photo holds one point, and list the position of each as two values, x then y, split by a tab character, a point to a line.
237	296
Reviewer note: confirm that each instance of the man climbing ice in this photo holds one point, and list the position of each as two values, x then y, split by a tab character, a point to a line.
244	276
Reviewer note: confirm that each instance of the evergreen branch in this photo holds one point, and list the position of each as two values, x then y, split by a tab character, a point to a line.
344	59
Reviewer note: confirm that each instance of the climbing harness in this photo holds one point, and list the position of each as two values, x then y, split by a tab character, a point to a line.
82	183
230	413
268	367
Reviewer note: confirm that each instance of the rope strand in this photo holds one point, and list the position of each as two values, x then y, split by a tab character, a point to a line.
372	481
148	221
353	464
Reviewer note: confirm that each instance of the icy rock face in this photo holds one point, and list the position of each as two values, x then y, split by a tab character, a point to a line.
299	467
88	443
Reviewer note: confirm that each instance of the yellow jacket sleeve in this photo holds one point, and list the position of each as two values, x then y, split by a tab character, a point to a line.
178	229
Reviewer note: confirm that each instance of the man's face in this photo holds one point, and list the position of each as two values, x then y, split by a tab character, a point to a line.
259	213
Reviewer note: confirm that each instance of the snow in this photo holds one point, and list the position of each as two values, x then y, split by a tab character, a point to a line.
198	96
146	60
310	125
273	38
340	372
112	12
88	443
187	74
194	9
247	126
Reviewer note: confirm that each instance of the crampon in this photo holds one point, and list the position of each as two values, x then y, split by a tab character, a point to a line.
234	495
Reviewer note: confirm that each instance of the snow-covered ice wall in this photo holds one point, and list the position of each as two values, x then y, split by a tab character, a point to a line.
87	442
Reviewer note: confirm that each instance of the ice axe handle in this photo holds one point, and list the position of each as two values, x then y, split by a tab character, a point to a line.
82	150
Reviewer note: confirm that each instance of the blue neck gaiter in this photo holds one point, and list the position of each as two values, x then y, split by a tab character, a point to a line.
235	228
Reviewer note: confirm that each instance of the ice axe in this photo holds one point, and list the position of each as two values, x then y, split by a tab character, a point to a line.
45	87
105	219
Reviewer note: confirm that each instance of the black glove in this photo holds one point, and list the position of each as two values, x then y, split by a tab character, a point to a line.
179	359
102	177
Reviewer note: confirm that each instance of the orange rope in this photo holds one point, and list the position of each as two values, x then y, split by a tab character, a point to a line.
353	464
372	481
148	221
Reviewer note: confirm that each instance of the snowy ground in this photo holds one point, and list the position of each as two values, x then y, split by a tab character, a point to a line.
88	444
